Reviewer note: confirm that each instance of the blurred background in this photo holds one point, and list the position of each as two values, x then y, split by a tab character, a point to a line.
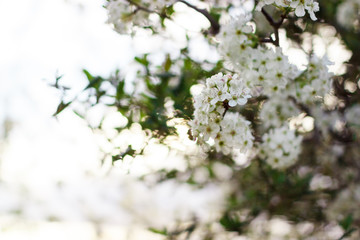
50	167
53	183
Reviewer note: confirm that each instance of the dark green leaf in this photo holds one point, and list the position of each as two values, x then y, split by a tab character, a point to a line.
346	222
61	107
94	83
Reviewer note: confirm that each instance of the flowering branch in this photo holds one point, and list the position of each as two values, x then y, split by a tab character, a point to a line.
215	26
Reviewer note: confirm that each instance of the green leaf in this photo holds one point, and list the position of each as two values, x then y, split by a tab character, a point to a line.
61	107
346	222
162	232
167	63
120	90
232	223
88	75
94	83
143	61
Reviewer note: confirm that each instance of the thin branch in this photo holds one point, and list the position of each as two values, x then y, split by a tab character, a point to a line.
267	40
139	7
226	106
275	25
215	26
301	106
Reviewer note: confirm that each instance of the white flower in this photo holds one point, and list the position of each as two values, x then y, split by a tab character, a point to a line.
276	111
312	7
209	123
299	6
280	147
347	14
315	81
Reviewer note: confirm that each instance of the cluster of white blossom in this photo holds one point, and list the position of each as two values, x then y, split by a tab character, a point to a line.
314	82
281	147
229	131
260	66
299	6
124	15
348	14
235	133
269	69
235	38
277	110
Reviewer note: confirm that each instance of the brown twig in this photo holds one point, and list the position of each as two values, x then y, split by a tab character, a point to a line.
226	106
215	26
139	7
275	25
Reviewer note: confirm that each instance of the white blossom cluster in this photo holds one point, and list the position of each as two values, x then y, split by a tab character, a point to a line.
230	131
268	69
124	15
299	6
235	38
260	66
315	82
277	110
235	133
348	14
121	14
281	147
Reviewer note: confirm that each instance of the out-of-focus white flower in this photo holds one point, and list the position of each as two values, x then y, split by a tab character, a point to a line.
348	14
125	15
276	111
326	121
281	147
314	82
320	182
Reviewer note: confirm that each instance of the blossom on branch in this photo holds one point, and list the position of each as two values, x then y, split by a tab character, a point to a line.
281	147
211	119
298	6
